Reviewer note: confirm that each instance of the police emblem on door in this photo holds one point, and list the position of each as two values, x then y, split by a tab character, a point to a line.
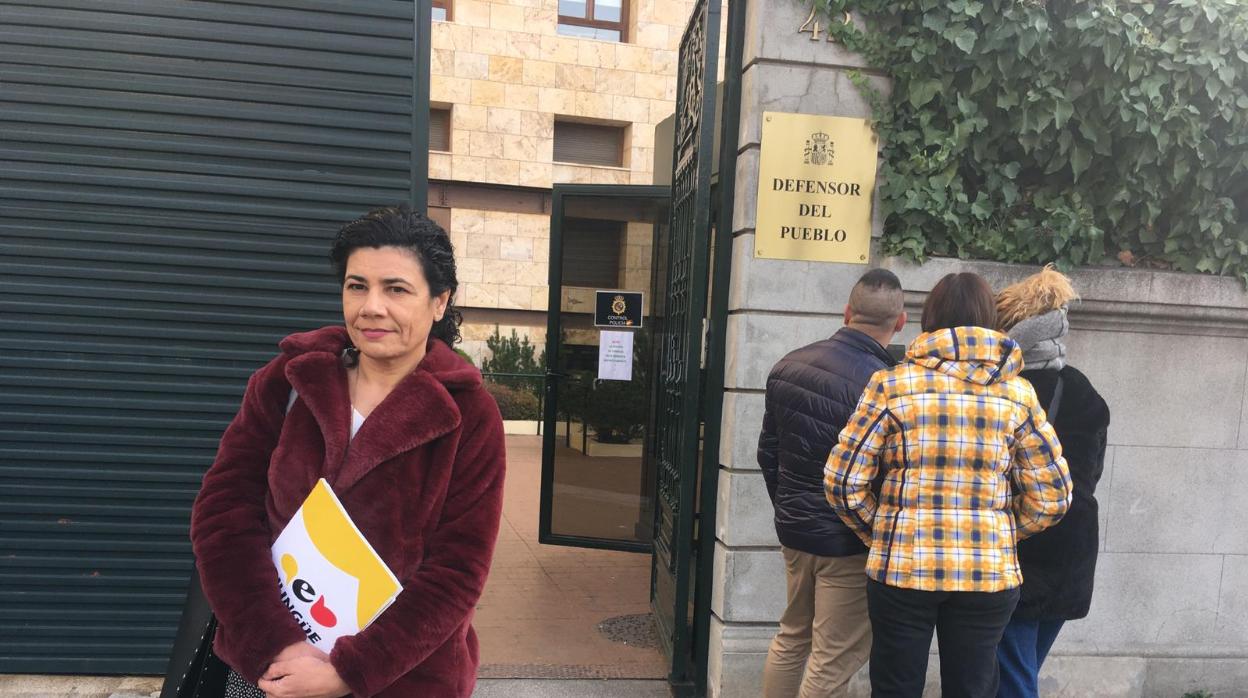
618	309
820	149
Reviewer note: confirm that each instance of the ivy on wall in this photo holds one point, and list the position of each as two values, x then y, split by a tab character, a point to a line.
1032	131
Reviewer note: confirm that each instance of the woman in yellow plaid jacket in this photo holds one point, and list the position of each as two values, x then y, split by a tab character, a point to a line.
969	465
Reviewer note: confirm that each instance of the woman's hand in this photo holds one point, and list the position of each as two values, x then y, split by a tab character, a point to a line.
303	677
300	649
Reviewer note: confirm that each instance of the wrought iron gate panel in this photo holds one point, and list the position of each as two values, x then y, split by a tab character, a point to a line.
679	394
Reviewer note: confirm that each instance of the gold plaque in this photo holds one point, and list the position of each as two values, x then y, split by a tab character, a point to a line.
816	185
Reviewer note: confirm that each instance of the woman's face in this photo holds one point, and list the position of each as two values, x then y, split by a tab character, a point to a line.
387	305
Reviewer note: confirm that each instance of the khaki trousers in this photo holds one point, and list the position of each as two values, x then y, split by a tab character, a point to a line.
825	632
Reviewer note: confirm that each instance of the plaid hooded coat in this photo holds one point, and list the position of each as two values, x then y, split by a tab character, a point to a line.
969	461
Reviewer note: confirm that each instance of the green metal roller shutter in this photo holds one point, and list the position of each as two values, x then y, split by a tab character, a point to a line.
171	175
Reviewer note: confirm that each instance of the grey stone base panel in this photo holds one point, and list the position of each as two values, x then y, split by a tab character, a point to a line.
1063	677
44	686
738	653
537	688
565	671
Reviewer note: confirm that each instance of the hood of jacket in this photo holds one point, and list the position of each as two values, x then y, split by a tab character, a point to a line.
974	354
441	362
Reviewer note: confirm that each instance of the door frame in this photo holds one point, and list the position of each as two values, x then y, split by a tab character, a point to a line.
550	413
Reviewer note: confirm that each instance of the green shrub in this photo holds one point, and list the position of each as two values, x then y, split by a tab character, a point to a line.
574	394
514	403
515	355
1038	130
617	411
511	355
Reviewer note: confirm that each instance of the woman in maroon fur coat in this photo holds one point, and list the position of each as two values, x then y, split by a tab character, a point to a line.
422	478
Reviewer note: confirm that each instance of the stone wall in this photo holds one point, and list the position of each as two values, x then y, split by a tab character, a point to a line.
503	263
503	258
1168	351
506	74
476	334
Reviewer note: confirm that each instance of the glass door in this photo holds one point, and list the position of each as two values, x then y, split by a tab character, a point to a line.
598	481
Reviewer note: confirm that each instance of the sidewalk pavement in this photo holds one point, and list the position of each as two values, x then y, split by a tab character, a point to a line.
21	686
571	688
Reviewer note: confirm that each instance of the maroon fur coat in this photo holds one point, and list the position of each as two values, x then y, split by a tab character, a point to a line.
423	481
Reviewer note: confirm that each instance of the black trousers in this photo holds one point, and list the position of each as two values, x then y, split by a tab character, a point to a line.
968	627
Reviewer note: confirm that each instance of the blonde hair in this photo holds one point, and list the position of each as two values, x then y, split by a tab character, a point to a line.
1037	294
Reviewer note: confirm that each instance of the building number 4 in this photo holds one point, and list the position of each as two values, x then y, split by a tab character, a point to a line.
812	25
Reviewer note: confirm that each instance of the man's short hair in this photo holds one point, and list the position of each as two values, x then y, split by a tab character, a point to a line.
876	299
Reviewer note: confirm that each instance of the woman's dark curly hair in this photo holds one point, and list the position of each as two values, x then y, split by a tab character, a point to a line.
400	226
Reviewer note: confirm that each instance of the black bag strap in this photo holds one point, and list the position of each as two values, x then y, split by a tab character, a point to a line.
214	674
1055	403
194	670
192	646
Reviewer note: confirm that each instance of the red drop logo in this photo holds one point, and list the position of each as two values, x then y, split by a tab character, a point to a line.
323	615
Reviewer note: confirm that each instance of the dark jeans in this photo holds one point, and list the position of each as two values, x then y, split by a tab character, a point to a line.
968	626
1021	653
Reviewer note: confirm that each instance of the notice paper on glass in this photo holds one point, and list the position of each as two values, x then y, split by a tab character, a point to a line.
615	356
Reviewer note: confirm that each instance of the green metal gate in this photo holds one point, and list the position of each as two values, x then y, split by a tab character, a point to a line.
171	176
684	251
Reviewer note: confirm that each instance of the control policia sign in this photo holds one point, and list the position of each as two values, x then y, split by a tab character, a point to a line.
816	185
618	309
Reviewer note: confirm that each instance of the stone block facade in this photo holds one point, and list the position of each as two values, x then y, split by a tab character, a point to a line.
503	258
506	75
504	264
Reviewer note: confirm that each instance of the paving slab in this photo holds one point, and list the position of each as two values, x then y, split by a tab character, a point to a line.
555	688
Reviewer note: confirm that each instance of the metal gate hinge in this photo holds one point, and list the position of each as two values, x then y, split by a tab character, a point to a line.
706	340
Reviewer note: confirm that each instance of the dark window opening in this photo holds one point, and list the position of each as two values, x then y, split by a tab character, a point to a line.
588	144
440	129
591	253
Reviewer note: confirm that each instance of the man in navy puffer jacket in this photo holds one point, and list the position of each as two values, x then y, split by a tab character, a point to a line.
825	635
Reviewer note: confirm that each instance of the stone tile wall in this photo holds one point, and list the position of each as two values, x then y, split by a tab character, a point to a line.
504	263
502	257
507	75
475	335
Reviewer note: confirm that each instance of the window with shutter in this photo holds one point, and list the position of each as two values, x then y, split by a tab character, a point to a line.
589	144
591	252
440	129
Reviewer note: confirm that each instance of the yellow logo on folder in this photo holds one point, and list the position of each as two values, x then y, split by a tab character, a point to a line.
327	568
